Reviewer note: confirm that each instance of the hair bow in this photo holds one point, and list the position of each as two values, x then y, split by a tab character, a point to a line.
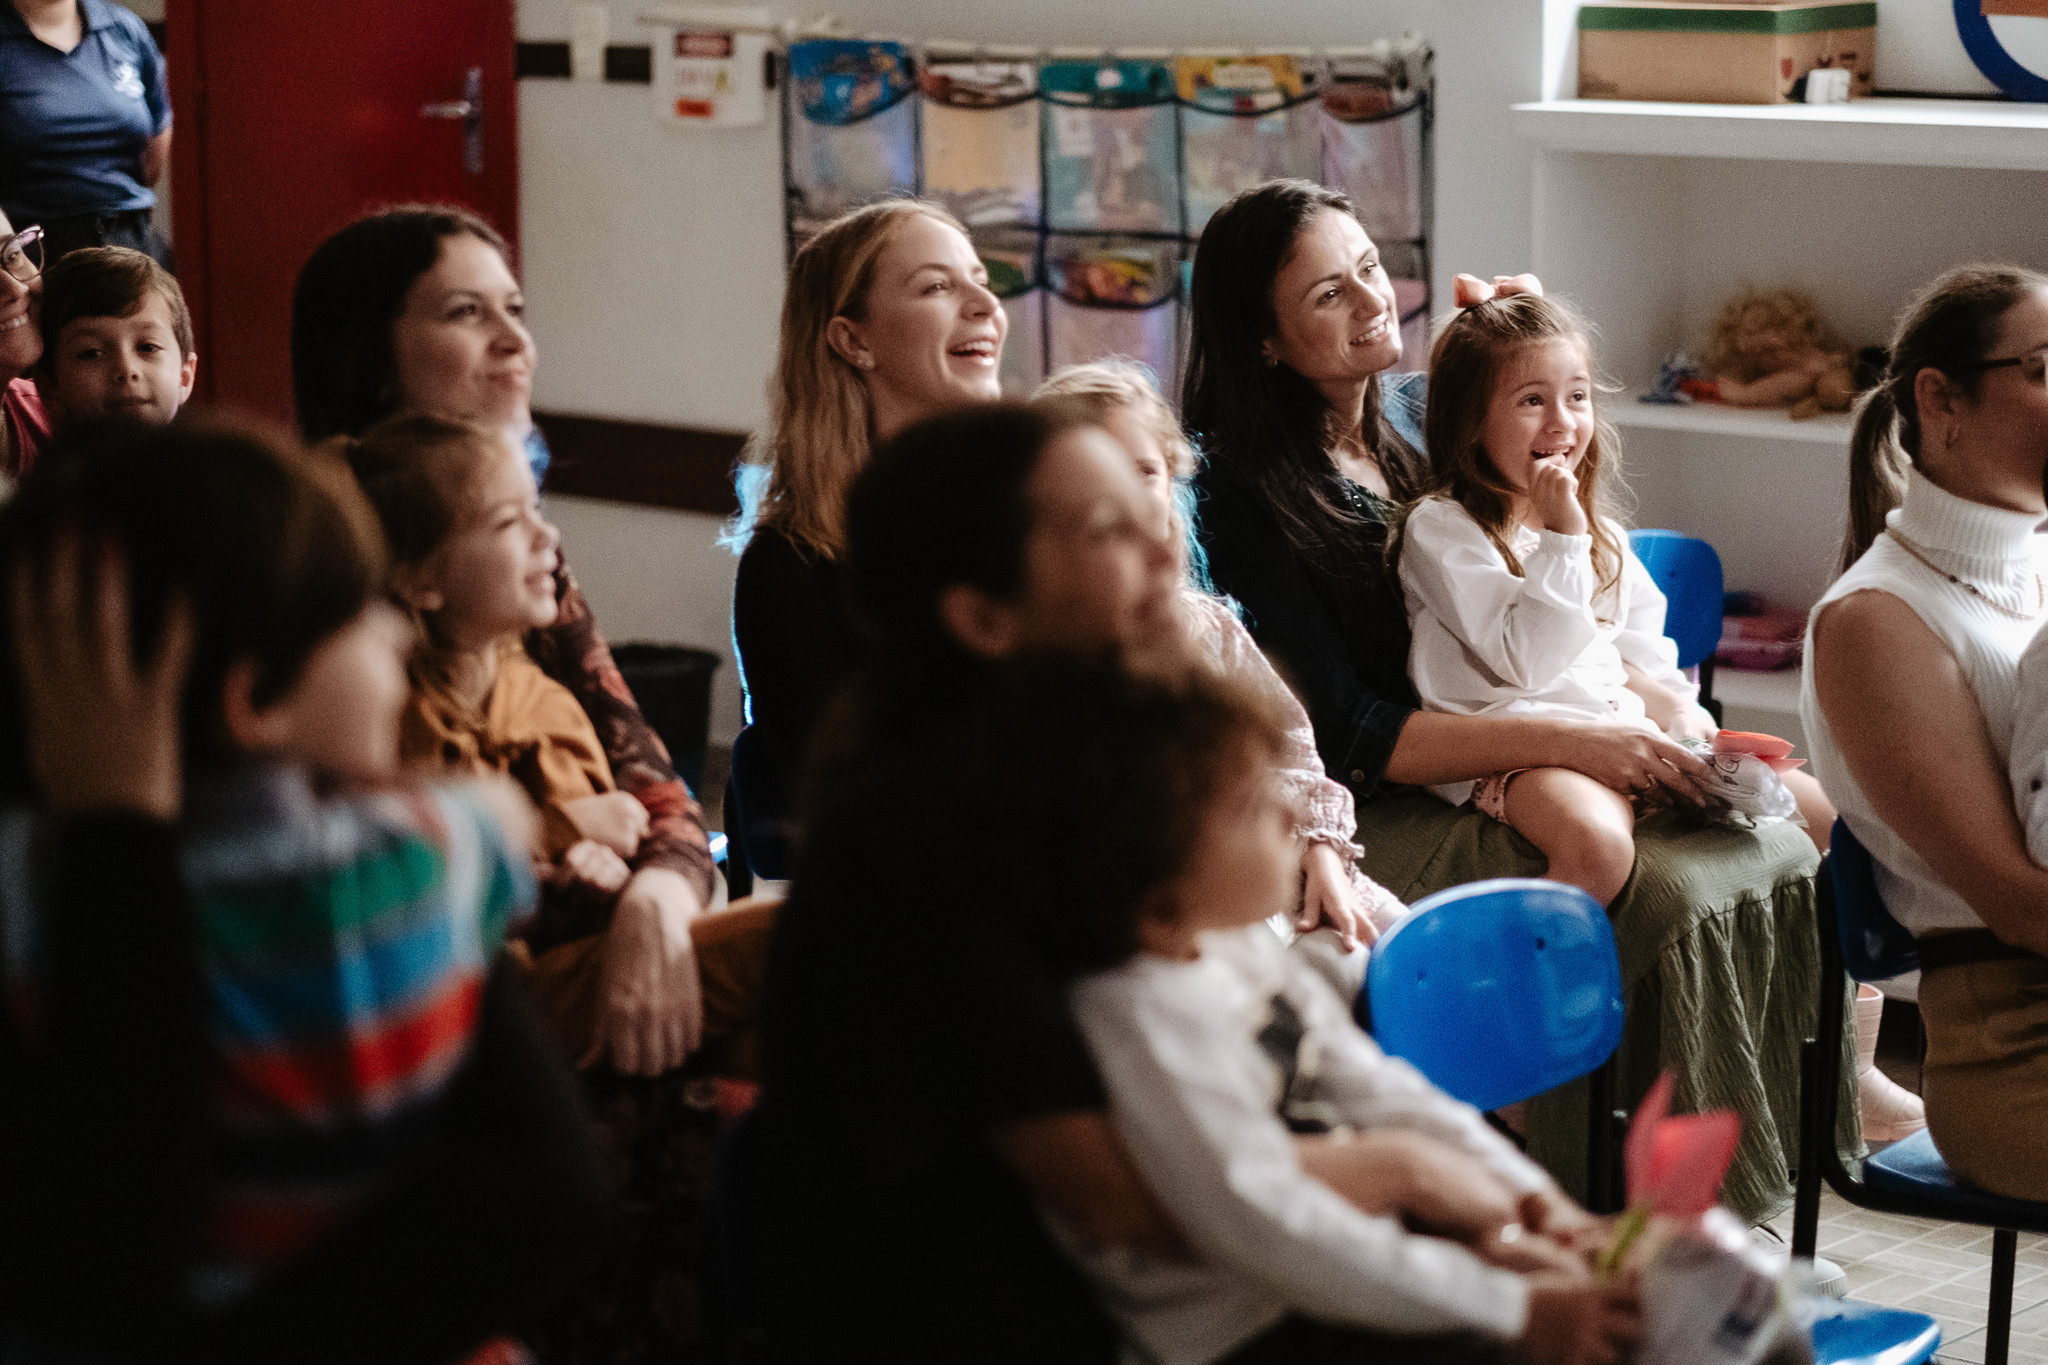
1470	289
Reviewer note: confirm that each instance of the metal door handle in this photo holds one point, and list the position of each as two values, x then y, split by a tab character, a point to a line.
470	109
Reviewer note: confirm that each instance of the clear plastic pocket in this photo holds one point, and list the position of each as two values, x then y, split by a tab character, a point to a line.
1011	256
852	128
1244	120
1111	297
981	125
1112	159
1376	158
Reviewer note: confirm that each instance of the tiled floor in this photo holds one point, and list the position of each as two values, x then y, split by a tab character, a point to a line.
1941	1269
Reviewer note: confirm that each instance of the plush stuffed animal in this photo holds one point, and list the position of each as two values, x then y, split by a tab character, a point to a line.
1770	349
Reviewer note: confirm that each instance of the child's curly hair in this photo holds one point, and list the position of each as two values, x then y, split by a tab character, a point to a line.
1119	769
1791	312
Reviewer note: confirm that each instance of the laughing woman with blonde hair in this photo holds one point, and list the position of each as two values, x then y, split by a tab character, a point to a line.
887	319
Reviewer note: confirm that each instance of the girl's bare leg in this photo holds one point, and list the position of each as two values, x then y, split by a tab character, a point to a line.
1585	828
1813	805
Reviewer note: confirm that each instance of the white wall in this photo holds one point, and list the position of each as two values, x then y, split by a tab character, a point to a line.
653	254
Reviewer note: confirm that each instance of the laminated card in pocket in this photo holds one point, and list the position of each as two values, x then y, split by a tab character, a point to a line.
852	128
1112	155
981	140
1244	120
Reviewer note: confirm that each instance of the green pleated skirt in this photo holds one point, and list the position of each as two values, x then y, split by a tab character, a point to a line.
1720	972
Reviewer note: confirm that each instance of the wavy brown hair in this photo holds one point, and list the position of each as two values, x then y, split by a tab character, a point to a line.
820	430
1472	348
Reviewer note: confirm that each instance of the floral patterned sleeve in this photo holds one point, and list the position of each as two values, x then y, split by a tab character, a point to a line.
574	654
1323	810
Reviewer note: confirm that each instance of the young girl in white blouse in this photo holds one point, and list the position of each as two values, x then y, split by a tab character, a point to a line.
1523	595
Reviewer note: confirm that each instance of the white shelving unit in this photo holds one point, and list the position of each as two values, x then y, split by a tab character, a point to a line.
1649	216
1985	134
1627	410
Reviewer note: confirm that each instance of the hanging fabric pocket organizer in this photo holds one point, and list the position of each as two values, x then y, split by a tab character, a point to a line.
851	129
1113	207
1114	296
1244	120
1374	131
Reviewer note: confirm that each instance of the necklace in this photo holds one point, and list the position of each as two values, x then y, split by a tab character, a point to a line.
2040	590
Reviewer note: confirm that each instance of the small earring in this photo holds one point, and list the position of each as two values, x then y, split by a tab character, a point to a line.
867	362
1272	361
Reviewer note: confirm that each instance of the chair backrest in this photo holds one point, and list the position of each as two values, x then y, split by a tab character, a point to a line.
1499	990
757	791
1688	573
1874	945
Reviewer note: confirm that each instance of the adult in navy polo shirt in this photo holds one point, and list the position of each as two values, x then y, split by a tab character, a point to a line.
85	124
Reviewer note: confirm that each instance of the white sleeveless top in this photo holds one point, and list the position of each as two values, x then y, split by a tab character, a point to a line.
2001	553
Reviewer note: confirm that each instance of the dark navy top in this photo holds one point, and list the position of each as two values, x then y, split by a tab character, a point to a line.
73	125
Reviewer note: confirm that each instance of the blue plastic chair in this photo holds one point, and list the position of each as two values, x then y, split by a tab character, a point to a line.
1503	989
1859	937
1688	573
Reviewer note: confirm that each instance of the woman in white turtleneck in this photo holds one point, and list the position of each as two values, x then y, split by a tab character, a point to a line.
1911	695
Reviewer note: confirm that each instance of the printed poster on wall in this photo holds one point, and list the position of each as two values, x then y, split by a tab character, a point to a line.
711	77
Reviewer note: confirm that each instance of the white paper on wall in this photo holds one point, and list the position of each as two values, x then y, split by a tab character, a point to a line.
710	77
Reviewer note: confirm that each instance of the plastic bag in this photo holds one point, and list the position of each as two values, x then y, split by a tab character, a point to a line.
1744	774
852	127
1711	1295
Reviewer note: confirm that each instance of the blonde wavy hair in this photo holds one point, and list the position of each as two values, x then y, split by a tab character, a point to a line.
820	430
1106	386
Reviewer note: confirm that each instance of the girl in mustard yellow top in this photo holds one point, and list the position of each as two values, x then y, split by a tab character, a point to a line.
473	561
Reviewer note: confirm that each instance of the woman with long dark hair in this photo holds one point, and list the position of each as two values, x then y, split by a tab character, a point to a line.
1311	445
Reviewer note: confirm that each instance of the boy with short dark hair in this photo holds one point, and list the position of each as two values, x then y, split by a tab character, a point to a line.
117	338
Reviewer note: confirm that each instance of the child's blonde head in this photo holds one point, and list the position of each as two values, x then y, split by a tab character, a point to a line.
1472	352
1107	387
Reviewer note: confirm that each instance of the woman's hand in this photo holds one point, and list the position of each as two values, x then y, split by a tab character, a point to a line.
1554	498
615	819
102	733
1635	763
1329	897
651	1014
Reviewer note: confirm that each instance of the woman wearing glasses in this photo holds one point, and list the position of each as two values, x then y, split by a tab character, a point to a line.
23	427
1914	704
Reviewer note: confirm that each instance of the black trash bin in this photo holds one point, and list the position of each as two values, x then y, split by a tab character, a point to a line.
672	683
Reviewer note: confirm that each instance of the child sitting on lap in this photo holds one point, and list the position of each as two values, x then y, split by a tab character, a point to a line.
1333	1200
1523	595
474	563
117	338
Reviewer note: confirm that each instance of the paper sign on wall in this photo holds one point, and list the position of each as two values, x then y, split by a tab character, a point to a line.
710	77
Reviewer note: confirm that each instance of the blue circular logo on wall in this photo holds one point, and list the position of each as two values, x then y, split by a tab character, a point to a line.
2008	40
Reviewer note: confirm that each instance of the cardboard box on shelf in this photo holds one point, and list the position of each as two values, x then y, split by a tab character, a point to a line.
1721	53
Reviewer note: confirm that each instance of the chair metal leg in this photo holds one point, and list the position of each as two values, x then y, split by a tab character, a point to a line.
1603	1186
1816	1128
2005	1246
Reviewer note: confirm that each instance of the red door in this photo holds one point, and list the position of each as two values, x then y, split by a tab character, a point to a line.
294	118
